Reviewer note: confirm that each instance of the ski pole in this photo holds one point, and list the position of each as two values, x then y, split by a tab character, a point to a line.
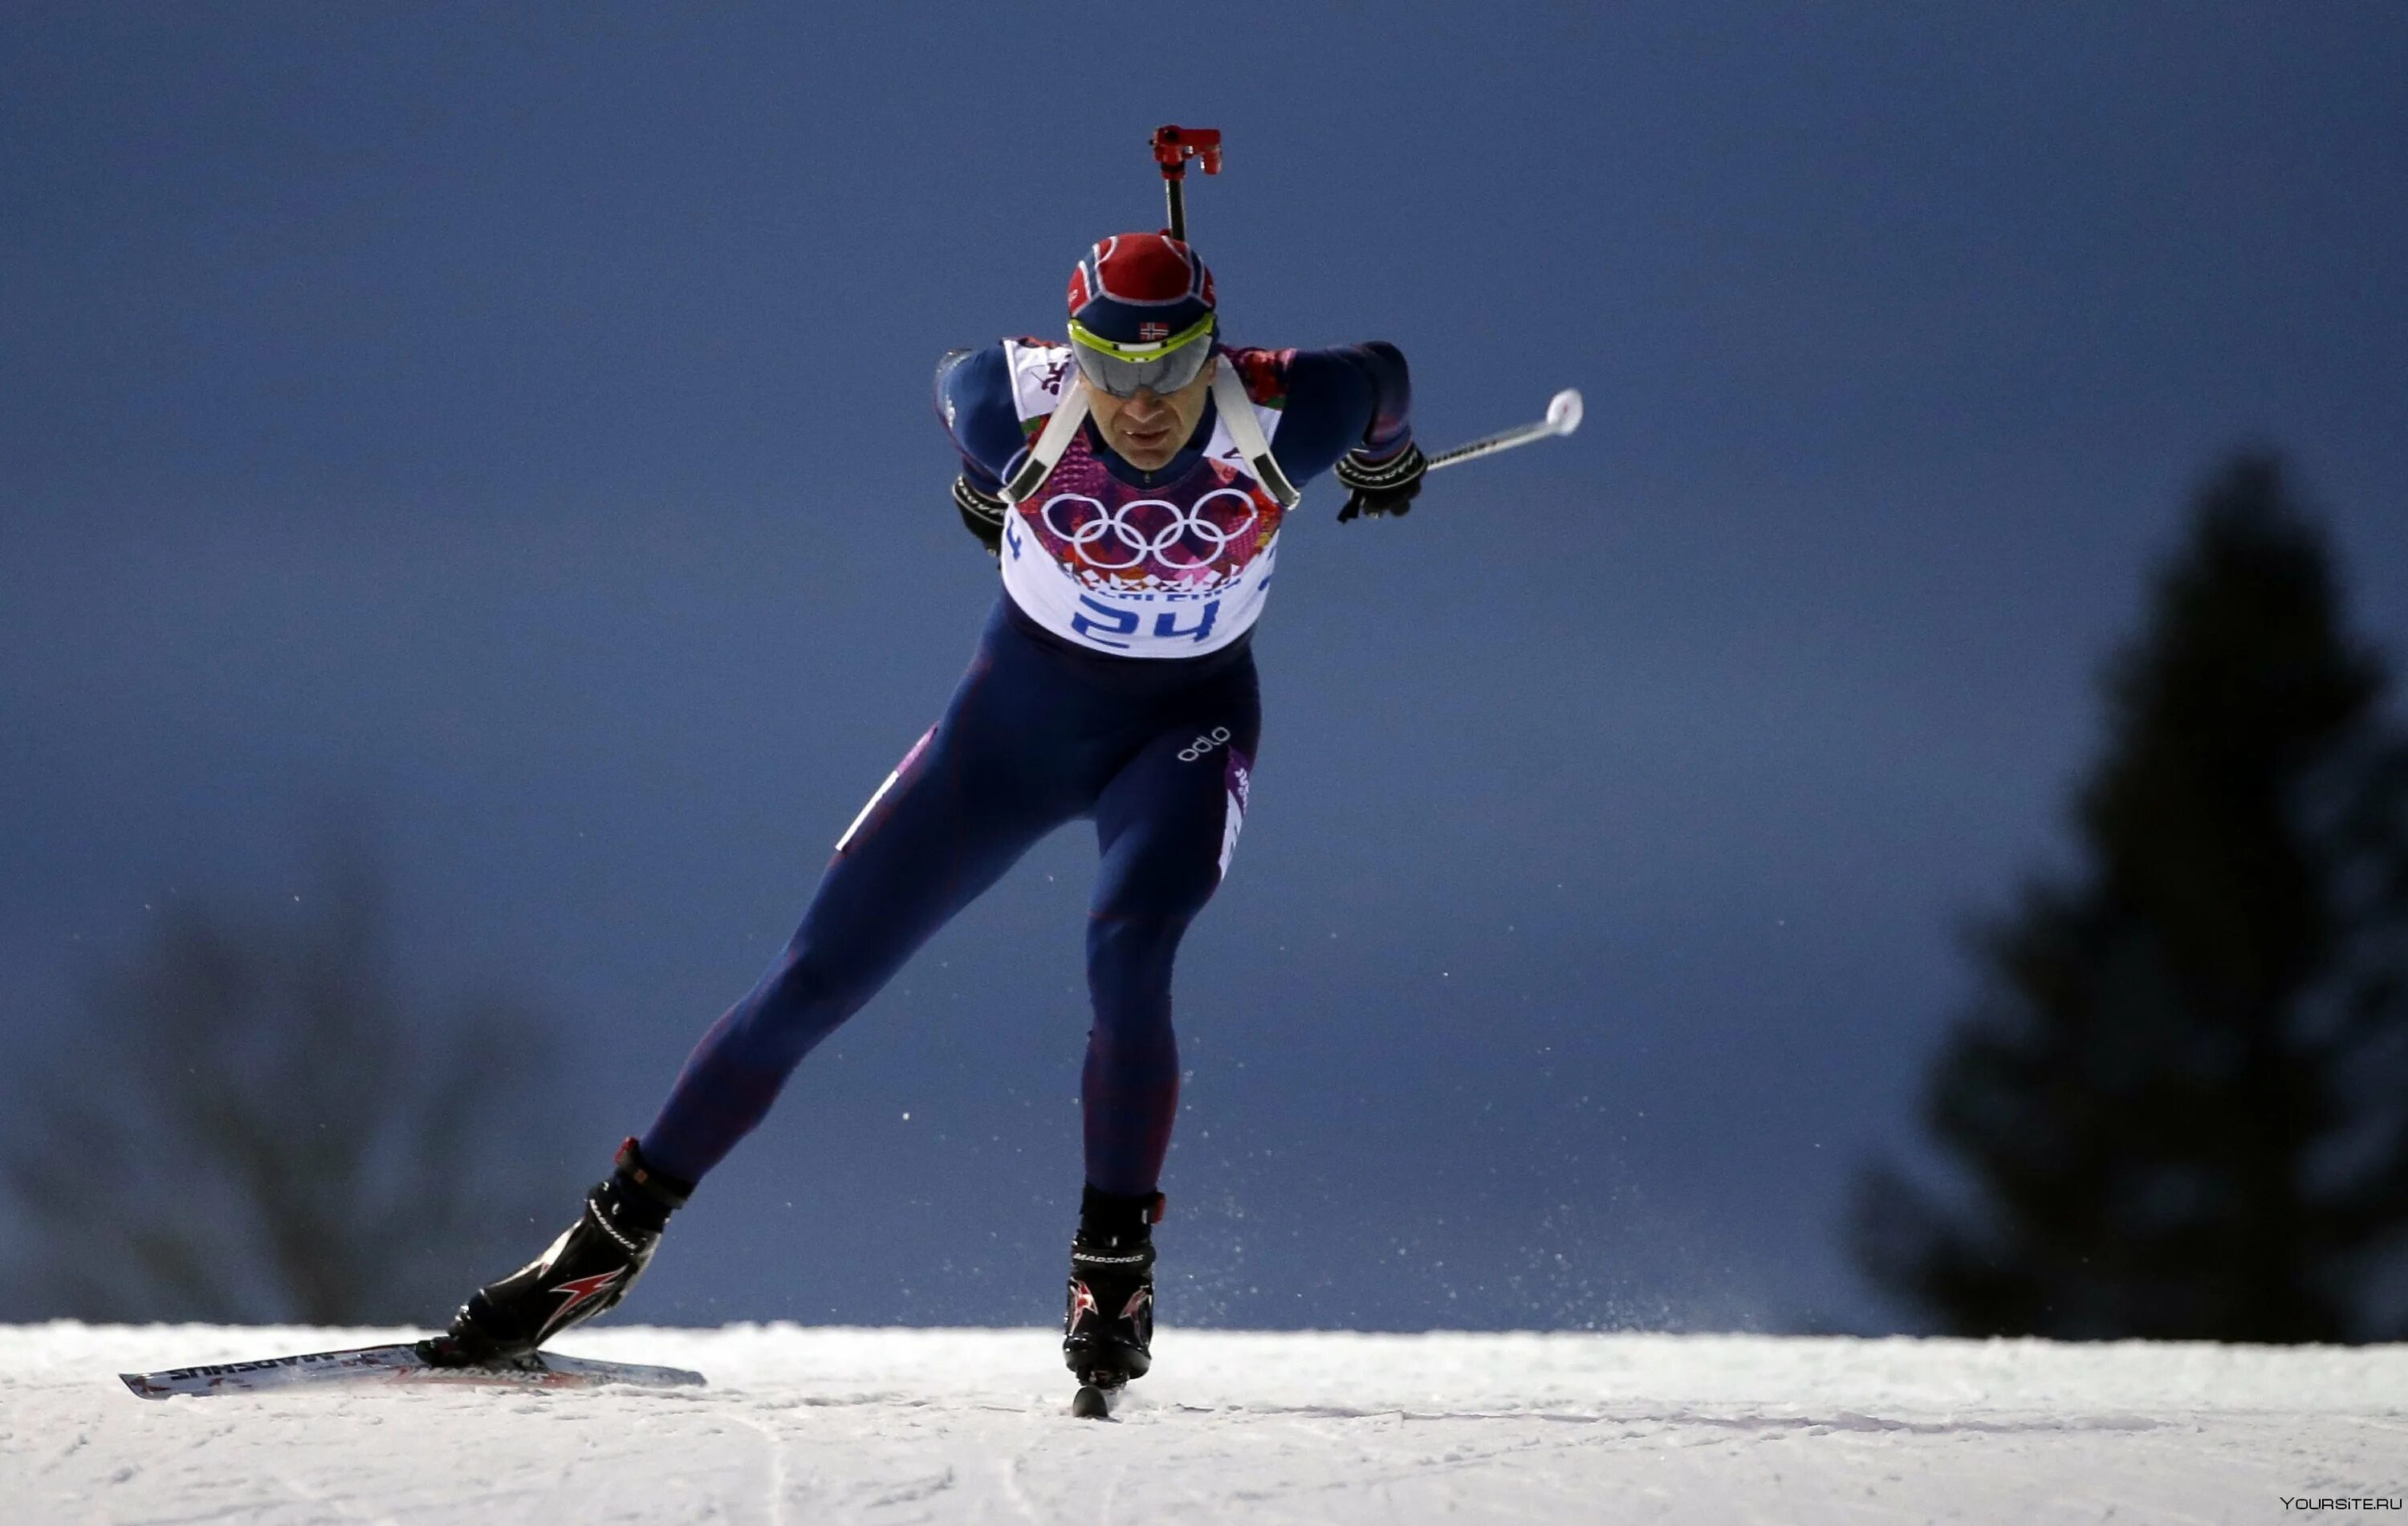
1563	417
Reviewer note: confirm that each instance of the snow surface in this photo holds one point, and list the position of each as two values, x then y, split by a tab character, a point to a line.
803	1425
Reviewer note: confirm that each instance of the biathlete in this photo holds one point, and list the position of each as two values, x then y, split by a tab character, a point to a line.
1132	482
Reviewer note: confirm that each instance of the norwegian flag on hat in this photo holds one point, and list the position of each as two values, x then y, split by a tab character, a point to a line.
1140	288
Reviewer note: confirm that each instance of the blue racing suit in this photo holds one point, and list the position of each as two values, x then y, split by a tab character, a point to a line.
1114	710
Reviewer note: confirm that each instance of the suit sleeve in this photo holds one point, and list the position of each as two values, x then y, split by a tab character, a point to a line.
1354	397
974	402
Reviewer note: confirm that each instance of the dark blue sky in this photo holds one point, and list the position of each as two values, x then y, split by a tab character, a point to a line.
514	428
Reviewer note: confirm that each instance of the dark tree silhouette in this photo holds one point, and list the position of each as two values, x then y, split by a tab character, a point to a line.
255	1122
2180	1101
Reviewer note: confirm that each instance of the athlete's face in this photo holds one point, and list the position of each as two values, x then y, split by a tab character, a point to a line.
1150	429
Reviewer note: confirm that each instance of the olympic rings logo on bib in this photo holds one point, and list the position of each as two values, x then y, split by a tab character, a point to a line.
1149	536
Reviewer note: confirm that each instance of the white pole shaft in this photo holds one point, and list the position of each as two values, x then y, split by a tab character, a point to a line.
1563	417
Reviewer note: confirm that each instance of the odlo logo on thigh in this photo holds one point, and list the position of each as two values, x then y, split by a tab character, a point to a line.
1203	745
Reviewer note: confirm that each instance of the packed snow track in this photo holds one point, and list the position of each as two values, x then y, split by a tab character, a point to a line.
829	1425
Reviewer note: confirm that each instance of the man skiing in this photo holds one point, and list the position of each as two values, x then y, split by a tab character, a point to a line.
1132	482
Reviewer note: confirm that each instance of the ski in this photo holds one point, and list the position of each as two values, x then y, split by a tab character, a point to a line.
1094	1403
397	1364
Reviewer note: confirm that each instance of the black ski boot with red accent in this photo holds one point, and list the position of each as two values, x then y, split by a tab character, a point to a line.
1108	1331
584	1272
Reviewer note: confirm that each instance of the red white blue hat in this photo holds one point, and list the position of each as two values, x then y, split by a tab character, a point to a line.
1140	288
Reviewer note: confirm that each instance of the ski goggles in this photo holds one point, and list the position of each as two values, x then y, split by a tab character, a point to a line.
1161	368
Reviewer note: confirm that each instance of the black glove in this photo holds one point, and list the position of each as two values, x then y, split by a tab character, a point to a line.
1383	487
981	514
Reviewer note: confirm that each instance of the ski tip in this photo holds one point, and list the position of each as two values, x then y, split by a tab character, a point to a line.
142	1386
1092	1404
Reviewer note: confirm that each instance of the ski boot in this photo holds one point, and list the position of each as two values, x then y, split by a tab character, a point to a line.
584	1273
1108	1331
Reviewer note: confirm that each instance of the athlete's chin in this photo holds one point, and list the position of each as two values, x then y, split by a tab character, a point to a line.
1148	457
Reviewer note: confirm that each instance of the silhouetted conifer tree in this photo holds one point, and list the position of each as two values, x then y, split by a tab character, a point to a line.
2181	1099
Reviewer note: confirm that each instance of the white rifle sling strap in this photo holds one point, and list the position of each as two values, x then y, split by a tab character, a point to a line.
1060	429
1246	433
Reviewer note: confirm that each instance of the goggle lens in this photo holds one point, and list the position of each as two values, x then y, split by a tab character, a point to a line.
1125	370
1161	374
